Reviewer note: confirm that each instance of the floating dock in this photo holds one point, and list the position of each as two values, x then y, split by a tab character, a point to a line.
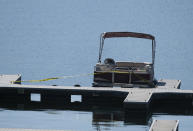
130	98
10	79
164	125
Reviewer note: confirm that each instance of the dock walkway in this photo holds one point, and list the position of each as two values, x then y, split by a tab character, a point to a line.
131	98
164	125
10	79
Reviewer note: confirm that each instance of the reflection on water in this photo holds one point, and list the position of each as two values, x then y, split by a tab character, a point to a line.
100	117
100	113
103	116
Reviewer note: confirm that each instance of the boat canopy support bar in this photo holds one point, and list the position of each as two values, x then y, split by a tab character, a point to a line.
126	34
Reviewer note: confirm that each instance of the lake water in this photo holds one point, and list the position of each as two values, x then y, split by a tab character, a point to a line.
43	39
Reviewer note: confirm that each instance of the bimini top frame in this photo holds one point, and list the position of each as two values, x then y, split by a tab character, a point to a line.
126	34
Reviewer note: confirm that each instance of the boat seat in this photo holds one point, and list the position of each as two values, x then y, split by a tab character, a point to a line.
131	64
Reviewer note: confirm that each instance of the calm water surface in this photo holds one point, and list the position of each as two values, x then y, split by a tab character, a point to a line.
42	39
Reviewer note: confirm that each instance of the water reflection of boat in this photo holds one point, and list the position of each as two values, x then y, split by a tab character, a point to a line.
104	115
100	113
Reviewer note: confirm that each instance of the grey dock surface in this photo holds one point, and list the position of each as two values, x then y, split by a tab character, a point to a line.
164	125
140	98
10	79
131	98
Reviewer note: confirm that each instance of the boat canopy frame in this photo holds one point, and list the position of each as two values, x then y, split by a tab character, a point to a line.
126	34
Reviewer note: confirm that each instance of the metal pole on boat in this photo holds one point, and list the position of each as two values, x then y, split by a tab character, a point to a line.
101	47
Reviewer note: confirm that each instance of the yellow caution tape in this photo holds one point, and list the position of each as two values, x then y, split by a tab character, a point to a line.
72	76
54	78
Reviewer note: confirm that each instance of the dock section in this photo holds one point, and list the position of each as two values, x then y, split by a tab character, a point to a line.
10	79
164	83
129	98
141	98
138	99
164	125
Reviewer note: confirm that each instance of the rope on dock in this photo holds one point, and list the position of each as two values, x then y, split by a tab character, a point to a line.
54	78
73	76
